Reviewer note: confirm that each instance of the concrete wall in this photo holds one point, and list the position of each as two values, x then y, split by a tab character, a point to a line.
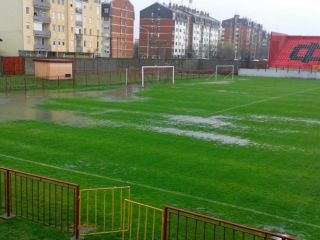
11	27
279	73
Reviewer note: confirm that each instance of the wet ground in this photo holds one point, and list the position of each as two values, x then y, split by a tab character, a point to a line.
16	106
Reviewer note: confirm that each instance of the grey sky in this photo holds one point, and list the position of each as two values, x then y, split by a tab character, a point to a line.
293	17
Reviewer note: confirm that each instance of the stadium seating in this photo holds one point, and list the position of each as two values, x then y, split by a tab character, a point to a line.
294	52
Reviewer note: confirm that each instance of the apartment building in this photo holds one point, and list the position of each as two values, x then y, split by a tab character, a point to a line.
118	29
247	37
50	27
106	30
204	34
177	31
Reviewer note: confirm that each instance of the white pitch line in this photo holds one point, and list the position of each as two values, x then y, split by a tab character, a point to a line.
164	191
264	100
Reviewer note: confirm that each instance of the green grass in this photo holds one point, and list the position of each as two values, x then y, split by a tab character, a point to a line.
272	183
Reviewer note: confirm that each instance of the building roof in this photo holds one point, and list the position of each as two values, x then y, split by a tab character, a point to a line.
182	13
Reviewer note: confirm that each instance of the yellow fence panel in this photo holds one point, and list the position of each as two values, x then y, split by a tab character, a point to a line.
103	210
144	222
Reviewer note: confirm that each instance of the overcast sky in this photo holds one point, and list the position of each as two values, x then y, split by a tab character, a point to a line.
293	17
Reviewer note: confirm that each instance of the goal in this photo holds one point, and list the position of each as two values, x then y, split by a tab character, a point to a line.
158	70
224	71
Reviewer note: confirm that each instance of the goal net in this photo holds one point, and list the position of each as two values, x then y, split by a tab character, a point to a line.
224	72
157	74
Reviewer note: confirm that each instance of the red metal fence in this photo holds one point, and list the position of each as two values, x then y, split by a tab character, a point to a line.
181	224
41	200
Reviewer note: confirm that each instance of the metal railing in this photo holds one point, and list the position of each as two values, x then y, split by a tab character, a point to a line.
103	211
62	205
44	5
79	49
79	23
42	200
145	222
40	47
42	18
78	10
182	224
43	34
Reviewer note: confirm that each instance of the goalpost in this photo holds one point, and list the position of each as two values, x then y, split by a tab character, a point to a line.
225	67
159	68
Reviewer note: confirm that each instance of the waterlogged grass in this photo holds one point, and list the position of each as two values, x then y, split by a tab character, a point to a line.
164	142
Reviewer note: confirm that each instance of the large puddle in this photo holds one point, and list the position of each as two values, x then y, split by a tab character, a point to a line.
16	106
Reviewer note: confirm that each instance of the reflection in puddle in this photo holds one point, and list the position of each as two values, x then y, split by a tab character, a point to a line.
16	106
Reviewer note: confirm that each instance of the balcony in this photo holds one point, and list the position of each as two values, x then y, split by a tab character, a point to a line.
79	49
79	23
42	48
78	10
79	37
42	18
41	5
42	34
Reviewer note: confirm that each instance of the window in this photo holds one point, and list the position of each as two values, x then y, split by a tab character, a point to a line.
27	10
27	25
53	15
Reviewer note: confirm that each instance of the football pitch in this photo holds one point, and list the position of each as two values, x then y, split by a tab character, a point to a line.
245	150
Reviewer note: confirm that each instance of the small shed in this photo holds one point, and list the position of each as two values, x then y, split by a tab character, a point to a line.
53	69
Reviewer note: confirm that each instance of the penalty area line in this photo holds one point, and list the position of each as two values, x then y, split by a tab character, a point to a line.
163	190
264	100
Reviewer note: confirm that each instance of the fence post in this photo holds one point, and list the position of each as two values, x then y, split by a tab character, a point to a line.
77	214
8	214
6	83
8	194
165	224
25	84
